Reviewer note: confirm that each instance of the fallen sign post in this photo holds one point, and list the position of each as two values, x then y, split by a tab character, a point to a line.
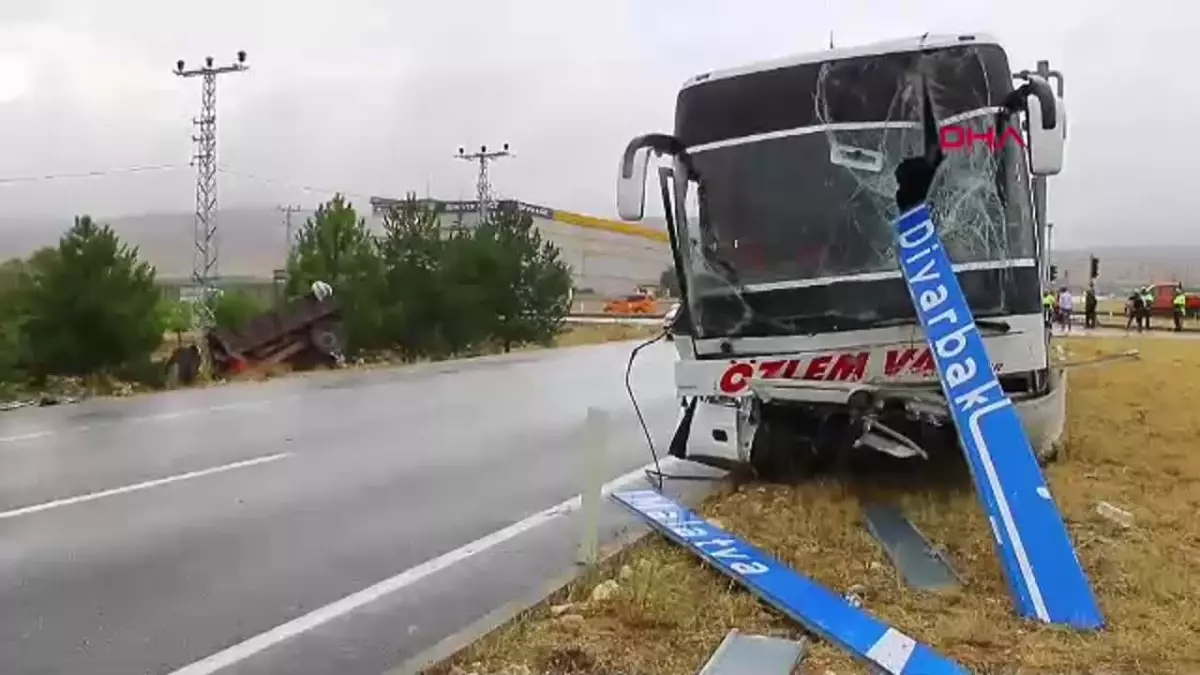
811	605
1039	561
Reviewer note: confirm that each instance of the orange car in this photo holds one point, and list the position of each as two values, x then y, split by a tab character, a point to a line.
631	304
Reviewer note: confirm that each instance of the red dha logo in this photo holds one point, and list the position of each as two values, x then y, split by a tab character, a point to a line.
963	138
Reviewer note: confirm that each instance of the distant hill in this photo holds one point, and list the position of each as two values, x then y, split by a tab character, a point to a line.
252	244
251	239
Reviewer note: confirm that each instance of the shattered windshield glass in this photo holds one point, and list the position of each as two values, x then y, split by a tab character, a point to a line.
809	206
819	205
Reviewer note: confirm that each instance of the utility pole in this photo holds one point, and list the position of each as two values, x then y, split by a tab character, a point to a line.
483	185
1045	228
205	269
287	225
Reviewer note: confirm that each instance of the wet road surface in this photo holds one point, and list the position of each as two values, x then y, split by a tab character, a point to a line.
216	530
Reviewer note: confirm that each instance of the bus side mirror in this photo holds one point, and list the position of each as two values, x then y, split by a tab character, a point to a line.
1047	119
631	180
631	183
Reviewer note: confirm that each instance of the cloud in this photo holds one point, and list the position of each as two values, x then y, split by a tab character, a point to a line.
374	96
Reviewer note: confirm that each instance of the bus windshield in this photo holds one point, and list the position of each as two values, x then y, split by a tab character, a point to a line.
793	171
818	206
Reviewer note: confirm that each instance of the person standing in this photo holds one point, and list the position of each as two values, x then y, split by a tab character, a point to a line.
1147	305
1089	307
1134	309
1178	307
1066	305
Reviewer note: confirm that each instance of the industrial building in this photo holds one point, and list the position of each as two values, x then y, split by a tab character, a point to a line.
607	257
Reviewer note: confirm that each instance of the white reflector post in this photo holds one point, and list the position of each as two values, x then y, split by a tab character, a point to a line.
595	449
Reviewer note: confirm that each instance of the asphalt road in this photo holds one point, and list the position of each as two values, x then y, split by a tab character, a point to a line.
246	529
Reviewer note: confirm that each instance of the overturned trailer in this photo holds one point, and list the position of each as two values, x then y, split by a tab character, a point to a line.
797	337
304	333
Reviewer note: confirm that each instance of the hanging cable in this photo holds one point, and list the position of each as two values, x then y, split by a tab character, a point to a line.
655	475
637	409
5	180
288	184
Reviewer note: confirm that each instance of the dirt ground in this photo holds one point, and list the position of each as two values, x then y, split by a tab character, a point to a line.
1131	442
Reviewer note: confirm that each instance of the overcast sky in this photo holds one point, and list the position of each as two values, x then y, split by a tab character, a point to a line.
374	96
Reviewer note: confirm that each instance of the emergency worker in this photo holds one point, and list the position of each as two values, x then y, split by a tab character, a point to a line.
1048	308
1178	307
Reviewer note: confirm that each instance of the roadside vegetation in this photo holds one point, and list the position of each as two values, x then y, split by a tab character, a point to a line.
1130	444
87	316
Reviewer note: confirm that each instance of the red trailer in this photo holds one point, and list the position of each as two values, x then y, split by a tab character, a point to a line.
305	333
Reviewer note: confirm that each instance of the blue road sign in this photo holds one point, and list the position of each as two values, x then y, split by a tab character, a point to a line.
813	606
1043	571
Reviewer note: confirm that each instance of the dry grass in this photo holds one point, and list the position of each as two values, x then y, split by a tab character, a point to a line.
593	333
1132	434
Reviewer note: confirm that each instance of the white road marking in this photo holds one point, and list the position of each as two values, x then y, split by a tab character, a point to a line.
26	437
156	417
69	501
244	650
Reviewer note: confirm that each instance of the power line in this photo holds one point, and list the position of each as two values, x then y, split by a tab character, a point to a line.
5	180
205	263
288	184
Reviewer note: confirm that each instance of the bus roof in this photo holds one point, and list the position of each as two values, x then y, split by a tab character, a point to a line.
910	44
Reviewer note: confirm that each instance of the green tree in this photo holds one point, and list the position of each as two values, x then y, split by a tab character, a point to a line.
92	304
413	253
233	308
529	286
177	317
468	280
14	281
336	246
